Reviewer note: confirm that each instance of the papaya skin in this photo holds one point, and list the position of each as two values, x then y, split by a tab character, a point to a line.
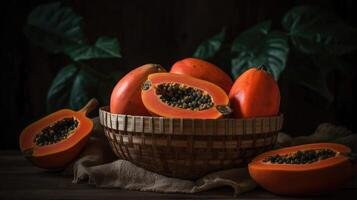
315	178
203	70
255	94
126	95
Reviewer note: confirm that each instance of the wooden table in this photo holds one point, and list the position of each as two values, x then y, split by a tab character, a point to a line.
20	180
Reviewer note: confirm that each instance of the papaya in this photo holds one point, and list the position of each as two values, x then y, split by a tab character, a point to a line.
182	96
255	93
55	140
126	95
203	70
310	169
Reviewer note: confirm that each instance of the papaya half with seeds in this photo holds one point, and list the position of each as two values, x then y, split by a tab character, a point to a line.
203	70
126	95
310	169
55	140
255	93
180	96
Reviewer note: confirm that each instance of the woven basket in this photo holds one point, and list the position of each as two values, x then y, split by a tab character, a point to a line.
188	148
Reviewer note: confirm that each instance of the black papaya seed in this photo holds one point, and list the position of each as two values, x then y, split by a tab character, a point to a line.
301	157
56	132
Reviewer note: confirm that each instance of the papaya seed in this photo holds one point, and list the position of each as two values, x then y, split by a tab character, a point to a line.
56	132
182	96
301	157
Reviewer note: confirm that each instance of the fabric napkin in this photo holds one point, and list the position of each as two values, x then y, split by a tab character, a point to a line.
98	165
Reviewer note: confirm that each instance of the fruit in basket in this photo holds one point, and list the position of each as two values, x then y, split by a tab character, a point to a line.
126	95
303	170
55	140
203	70
255	93
182	96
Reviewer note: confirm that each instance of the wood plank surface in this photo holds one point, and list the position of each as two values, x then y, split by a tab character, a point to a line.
20	180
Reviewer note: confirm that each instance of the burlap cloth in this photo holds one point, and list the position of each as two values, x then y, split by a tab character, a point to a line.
98	165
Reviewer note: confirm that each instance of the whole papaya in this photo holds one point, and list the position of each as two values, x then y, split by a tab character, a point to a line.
203	70
255	93
126	95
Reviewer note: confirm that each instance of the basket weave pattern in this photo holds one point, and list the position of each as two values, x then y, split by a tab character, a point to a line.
188	148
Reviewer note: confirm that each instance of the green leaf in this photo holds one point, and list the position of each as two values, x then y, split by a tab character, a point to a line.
54	27
84	87
76	84
314	71
259	46
210	47
314	30
59	92
251	37
72	88
104	47
315	80
308	73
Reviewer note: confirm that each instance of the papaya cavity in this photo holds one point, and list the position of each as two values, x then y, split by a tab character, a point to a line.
301	157
57	131
312	169
183	96
174	95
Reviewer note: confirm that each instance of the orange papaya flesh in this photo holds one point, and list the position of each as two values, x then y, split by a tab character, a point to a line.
202	98
321	176
48	153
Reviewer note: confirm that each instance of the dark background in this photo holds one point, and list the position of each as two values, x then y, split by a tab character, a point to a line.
159	32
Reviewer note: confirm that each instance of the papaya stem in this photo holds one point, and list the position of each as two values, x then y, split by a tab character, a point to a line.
159	68
225	110
262	67
91	105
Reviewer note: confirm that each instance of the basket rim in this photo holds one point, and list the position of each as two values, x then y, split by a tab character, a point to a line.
187	126
105	109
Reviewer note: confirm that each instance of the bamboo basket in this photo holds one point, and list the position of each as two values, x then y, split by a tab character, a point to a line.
188	148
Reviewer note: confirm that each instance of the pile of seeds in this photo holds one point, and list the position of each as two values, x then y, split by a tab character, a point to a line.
182	96
301	157
56	132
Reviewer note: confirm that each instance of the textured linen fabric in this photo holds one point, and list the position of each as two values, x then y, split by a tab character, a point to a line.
98	165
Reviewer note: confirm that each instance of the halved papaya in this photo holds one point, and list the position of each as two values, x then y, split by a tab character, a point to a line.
310	169
126	95
181	96
203	70
55	140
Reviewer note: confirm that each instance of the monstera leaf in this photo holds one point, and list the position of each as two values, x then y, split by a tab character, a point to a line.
260	46
59	92
308	74
83	88
314	30
75	85
104	47
251	37
58	29
54	27
210	47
